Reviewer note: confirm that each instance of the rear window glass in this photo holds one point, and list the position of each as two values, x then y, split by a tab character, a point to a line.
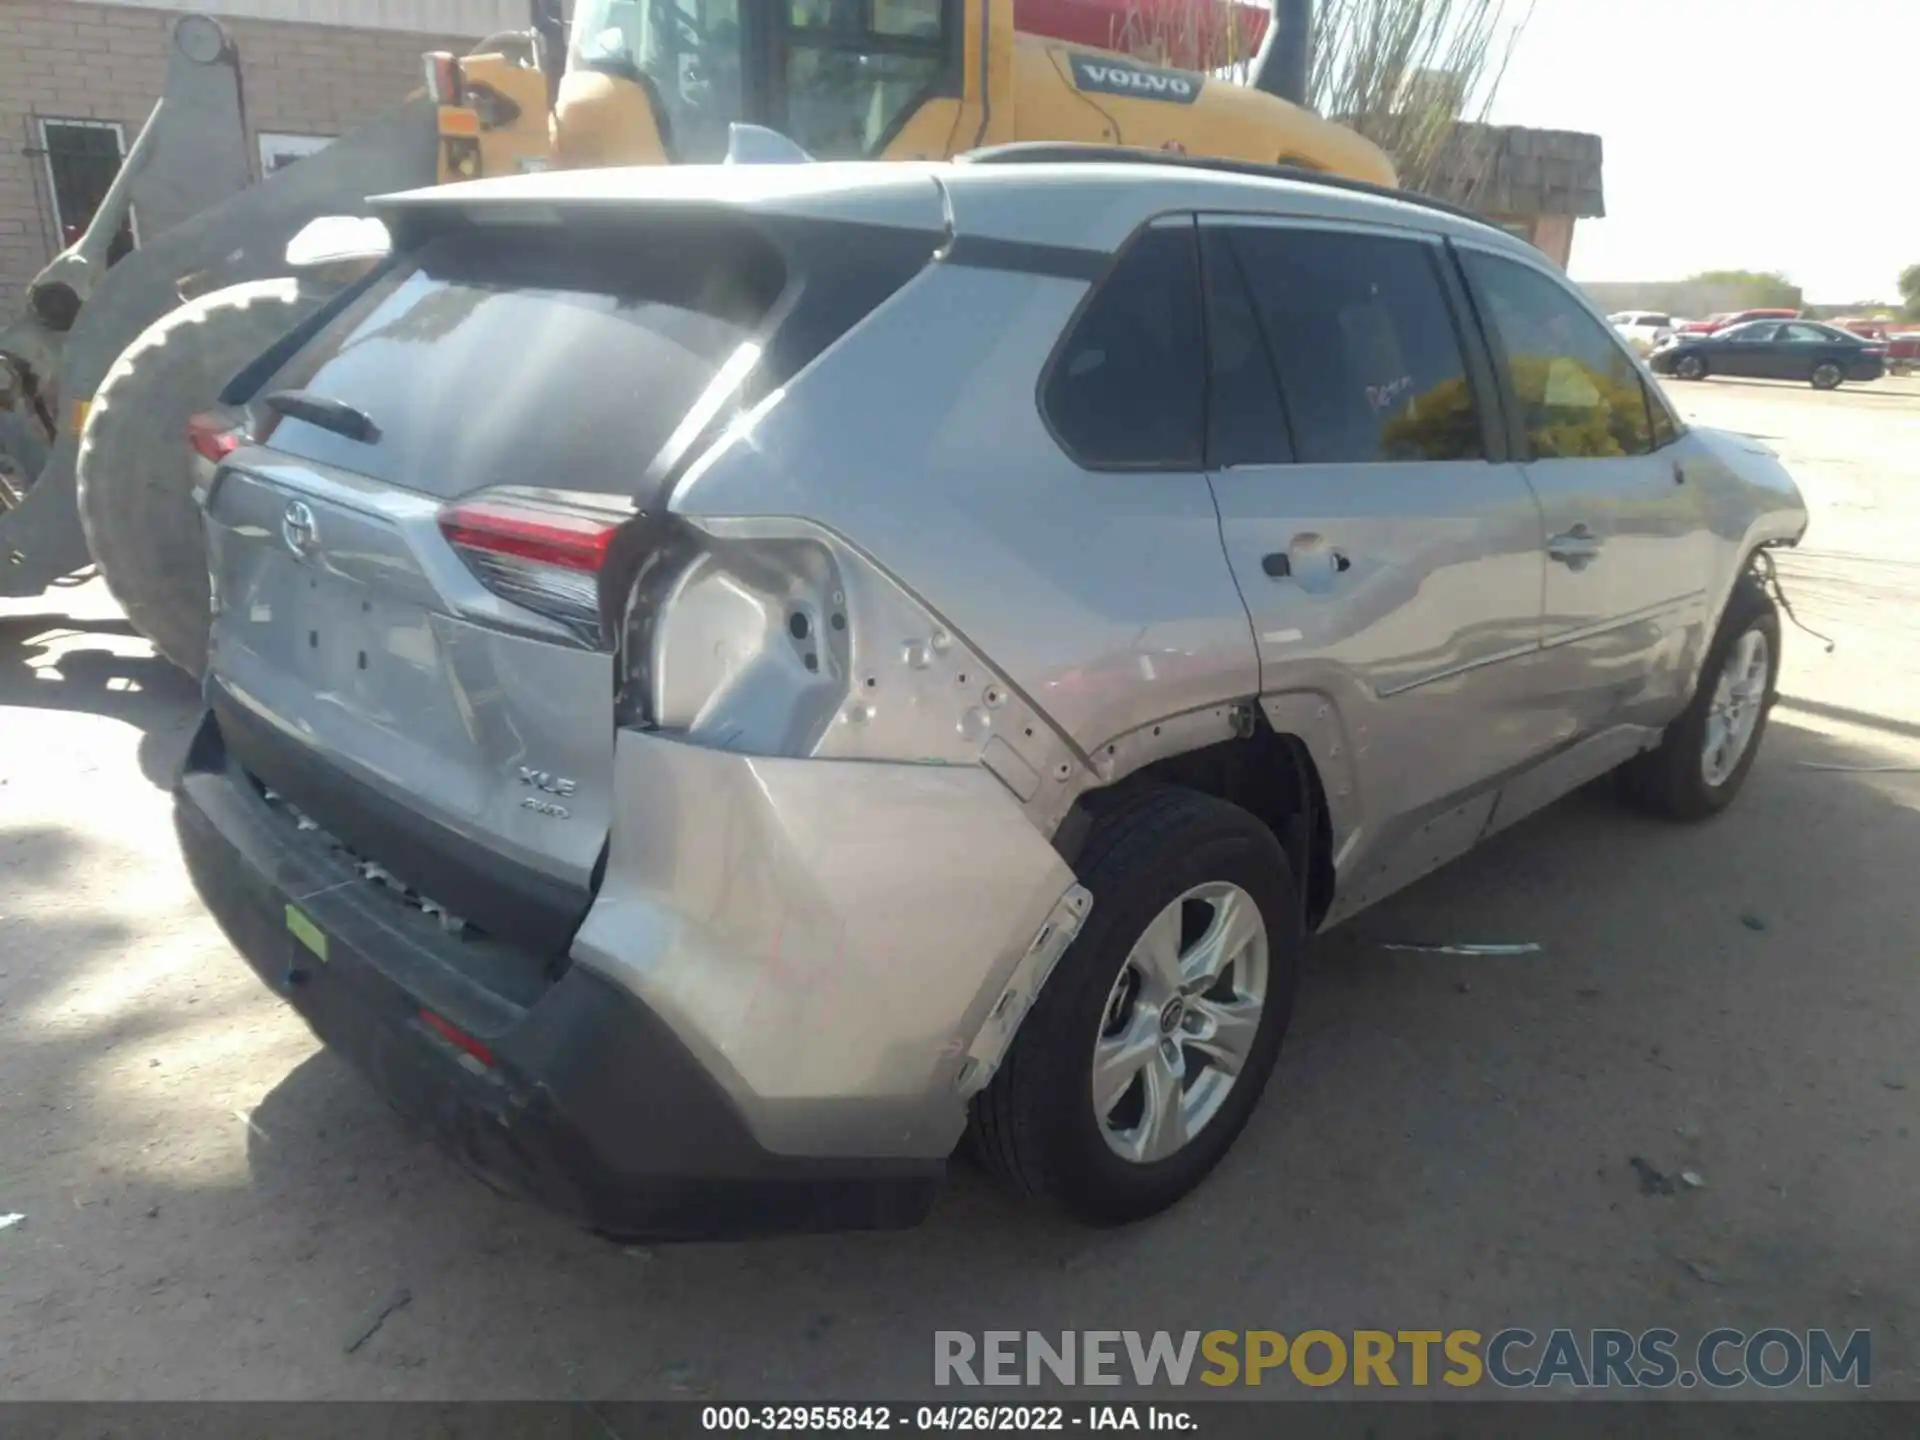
528	357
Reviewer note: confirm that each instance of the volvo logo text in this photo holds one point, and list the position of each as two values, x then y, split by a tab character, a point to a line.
299	529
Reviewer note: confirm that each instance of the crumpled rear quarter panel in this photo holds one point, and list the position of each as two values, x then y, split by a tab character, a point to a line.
825	936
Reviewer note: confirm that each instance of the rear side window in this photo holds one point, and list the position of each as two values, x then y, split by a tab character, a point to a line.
1579	391
1370	363
509	359
1127	387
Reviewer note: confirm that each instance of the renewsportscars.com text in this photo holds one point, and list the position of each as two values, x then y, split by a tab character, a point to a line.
1512	1358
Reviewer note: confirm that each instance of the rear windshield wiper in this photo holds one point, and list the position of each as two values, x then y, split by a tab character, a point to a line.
328	414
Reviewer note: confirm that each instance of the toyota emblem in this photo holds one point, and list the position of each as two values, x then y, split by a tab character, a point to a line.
299	529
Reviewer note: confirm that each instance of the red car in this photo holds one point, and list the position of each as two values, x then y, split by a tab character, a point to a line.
1734	317
1903	347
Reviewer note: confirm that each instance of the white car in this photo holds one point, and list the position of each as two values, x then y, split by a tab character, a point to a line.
1644	330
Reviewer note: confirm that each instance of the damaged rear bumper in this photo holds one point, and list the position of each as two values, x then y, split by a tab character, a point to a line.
793	976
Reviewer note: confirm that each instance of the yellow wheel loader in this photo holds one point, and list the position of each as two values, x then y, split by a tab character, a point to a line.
101	373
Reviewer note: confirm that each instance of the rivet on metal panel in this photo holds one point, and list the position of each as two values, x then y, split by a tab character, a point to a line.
1322	712
917	654
995	697
859	714
941	642
1062	771
976	724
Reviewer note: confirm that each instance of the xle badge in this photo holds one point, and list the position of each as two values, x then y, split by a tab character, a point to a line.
552	784
1102	75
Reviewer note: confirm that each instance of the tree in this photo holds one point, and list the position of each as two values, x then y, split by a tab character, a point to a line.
1401	72
1751	289
1406	73
1910	291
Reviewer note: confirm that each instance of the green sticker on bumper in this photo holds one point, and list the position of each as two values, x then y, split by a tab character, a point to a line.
306	932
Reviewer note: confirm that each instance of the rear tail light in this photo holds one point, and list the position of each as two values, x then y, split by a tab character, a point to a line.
539	554
212	438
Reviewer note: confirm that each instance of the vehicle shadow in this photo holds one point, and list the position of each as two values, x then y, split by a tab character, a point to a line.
46	664
1468	1140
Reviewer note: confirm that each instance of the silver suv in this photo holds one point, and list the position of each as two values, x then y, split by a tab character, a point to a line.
726	678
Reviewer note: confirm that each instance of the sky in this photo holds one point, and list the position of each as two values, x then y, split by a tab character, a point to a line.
1740	134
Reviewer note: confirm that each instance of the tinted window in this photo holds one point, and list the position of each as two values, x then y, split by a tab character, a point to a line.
1245	422
1807	334
1370	364
1128	386
1579	391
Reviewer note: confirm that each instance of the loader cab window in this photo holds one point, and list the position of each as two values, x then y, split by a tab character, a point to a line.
851	72
687	54
838	77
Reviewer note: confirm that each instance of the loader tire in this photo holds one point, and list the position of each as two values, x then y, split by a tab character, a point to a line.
135	475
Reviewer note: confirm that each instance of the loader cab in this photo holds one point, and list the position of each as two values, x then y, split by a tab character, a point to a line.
661	80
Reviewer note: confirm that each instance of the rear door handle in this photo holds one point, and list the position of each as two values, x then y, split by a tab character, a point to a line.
1576	548
1279	565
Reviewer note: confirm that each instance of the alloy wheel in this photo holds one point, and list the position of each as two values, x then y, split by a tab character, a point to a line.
1180	1022
1739	696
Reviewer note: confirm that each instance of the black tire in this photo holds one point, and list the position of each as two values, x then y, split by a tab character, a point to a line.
1827	376
135	473
1034	1127
1690	367
1670	780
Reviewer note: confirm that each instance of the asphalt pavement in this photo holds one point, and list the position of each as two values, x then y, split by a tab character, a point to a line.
213	1208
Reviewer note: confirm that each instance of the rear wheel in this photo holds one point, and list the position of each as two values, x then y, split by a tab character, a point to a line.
1702	761
1827	376
1150	1044
135	475
1690	367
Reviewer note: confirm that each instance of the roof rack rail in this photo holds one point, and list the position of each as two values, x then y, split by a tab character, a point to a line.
1066	152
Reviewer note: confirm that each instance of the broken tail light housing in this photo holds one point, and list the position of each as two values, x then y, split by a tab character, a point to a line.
541	554
212	438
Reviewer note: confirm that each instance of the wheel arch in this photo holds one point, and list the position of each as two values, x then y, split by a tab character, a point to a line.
1272	774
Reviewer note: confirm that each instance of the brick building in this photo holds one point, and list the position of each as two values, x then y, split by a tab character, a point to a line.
78	77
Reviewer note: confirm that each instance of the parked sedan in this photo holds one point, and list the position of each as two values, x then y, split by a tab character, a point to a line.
1774	350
